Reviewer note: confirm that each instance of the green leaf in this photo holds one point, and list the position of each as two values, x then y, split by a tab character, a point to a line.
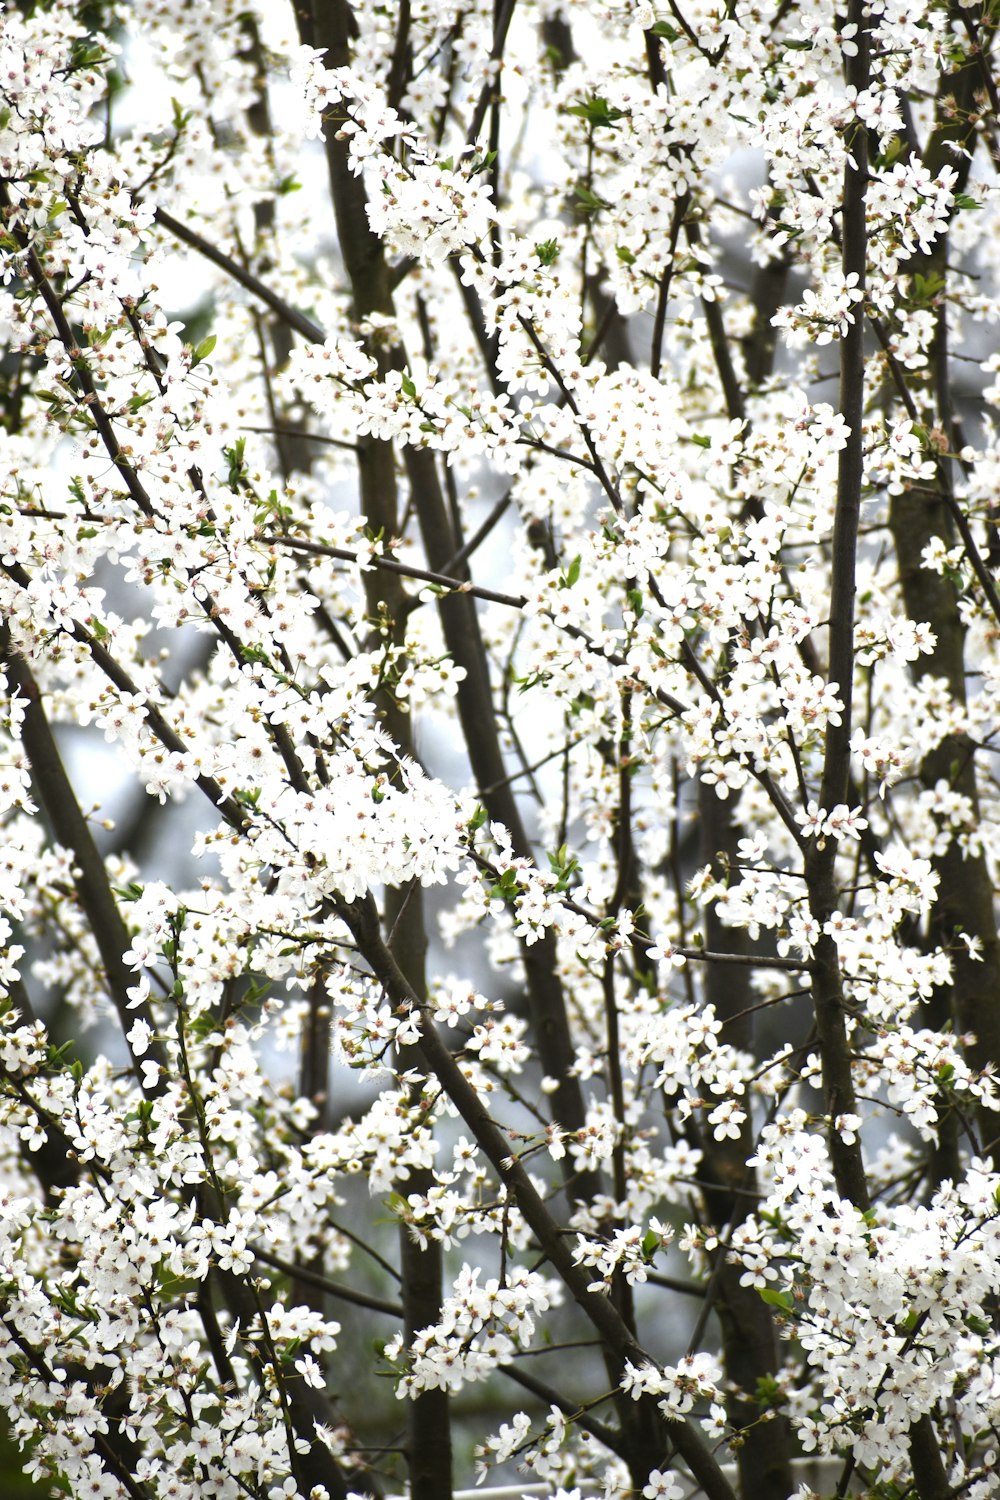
893	150
768	1392
926	288
234	458
587	199
650	1244
533	679
130	892
86	54
547	252
597	112
203	350
781	1300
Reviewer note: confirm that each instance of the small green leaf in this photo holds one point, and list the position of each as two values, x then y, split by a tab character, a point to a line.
130	892
597	112
587	199
926	288
203	350
768	1392
893	150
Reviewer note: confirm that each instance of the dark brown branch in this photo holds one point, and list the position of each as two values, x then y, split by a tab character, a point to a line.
421	1265
828	999
93	889
323	1283
500	28
246	279
746	960
404	570
609	1436
229	809
362	918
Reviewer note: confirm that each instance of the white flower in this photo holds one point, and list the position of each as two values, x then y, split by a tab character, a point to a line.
662	1486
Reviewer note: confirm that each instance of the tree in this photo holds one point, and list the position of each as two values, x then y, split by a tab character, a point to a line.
519	475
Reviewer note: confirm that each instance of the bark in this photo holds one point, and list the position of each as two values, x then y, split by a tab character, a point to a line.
329	25
648	1435
429	1431
748	1338
55	794
964	901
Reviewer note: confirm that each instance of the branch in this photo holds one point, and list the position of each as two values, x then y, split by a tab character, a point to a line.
500	28
611	1438
281	309
323	1283
747	960
405	570
828	998
362	918
167	736
93	889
